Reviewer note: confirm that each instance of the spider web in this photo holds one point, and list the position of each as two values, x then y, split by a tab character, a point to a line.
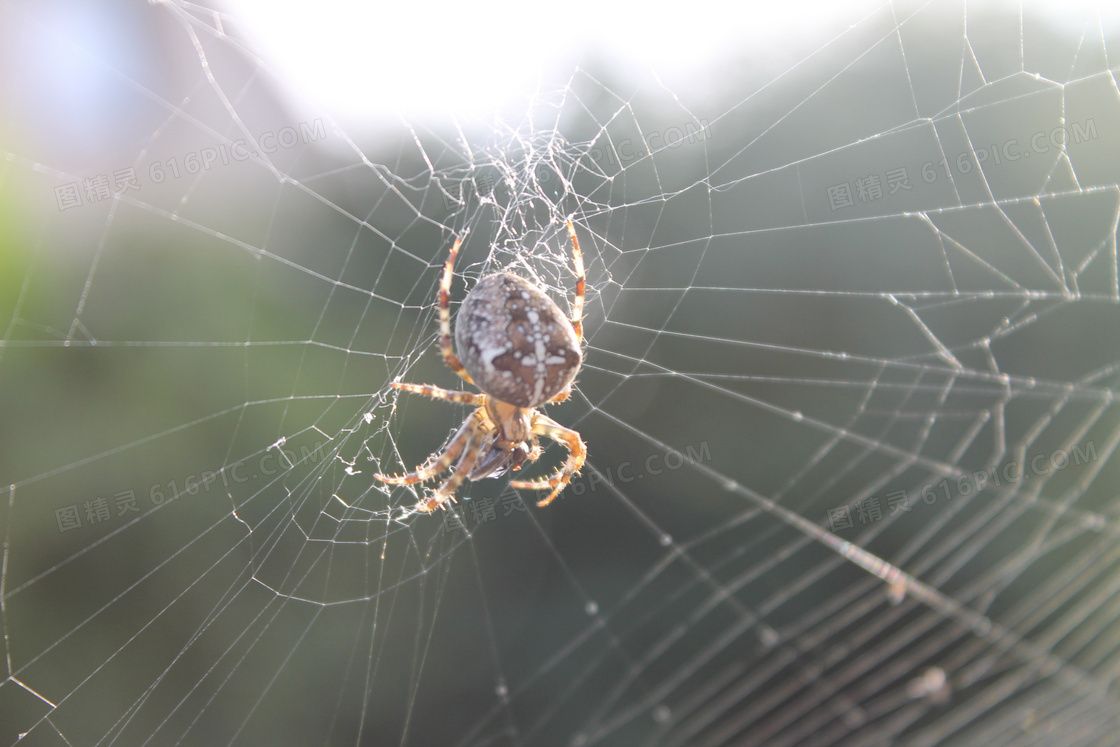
849	396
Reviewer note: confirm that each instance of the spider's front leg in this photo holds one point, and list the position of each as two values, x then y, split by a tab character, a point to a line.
577	453
437	463
477	427
535	451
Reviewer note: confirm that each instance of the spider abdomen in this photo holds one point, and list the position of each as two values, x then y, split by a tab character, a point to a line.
515	342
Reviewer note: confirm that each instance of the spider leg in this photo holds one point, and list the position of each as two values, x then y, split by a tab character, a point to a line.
577	452
478	429
449	356
577	302
437	463
435	392
563	395
535	451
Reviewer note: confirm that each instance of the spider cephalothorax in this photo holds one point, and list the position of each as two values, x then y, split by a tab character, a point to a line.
521	351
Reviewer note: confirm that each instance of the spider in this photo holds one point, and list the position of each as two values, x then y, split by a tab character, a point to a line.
520	350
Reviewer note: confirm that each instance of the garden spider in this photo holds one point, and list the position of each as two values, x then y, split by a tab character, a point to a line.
521	352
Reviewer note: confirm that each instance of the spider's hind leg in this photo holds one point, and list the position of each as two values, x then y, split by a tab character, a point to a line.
581	282
577	304
435	392
449	356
